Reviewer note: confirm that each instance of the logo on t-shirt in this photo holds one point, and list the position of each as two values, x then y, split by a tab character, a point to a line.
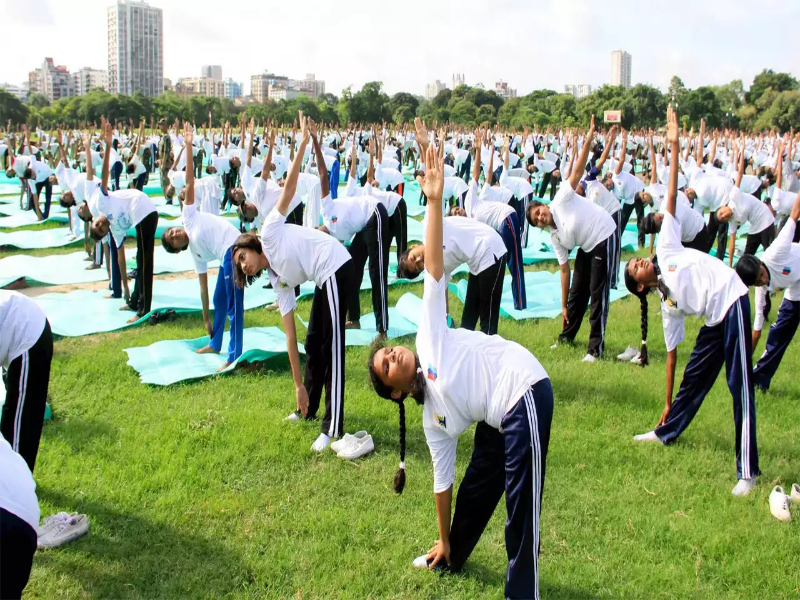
556	238
441	420
334	218
672	304
672	266
432	374
786	270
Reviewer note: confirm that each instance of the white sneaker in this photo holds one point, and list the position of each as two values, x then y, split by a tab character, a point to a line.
292	418
52	521
357	448
322	442
743	487
341	444
628	354
421	562
650	436
779	505
589	358
795	497
65	531
637	360
554	346
272	306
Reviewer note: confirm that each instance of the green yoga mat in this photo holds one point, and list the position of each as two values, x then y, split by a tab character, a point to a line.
171	361
63	269
543	290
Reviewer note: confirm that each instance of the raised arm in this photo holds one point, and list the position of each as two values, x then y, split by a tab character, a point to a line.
353	157
268	163
712	149
188	138
250	143
699	150
576	173
108	137
653	174
433	186
290	186
476	167
622	150
421	137
741	167
87	141
609	144
325	187
672	139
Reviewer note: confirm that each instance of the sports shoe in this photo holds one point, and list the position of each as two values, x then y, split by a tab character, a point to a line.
554	346
322	442
341	444
637	360
65	531
779	505
629	354
52	521
795	497
421	562
272	306
589	358
358	447
292	418
743	487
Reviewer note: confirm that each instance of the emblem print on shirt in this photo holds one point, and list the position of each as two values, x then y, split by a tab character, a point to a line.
558	239
440	420
334	218
672	267
283	285
671	303
786	271
432	374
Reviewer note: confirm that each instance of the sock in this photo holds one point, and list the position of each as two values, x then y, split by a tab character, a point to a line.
650	436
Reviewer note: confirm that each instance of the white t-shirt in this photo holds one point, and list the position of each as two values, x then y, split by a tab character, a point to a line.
626	186
782	201
70	179
597	193
712	191
471	377
782	259
388	177
490	206
21	325
748	208
207	195
139	168
577	222
296	255
454	187
468	241
699	284
124	209
210	237
17	488
344	217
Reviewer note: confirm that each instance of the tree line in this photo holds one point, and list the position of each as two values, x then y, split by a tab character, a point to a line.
773	100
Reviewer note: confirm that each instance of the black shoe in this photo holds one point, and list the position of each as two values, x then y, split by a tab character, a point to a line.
132	273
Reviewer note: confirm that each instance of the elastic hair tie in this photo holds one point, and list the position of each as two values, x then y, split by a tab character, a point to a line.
419	369
403	465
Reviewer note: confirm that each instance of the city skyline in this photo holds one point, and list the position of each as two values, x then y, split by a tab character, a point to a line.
585	61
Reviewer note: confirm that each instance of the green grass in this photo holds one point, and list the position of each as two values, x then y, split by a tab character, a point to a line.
199	489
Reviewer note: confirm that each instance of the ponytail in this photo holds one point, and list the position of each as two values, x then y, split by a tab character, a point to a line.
400	476
644	355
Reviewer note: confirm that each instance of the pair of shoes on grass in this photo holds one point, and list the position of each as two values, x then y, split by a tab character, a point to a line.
350	447
59	529
631	355
779	502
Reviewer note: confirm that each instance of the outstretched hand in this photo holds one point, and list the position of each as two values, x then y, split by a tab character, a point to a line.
188	134
433	183
304	127
672	125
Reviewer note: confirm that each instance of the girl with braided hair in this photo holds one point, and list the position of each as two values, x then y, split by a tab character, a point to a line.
693	283
464	377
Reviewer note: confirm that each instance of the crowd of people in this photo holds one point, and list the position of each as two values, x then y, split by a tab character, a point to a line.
288	219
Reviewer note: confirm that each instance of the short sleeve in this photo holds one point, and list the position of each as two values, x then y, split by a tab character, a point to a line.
443	454
761	305
200	266
562	254
434	309
284	295
780	250
272	229
669	238
673	327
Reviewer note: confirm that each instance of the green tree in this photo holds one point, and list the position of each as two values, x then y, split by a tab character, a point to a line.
645	106
783	112
370	104
11	109
731	95
38	101
403	107
702	103
464	113
486	114
677	91
778	82
442	99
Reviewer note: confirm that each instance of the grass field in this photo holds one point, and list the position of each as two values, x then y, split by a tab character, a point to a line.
199	490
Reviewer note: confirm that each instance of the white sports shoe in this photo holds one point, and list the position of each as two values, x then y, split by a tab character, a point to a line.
554	346
795	497
589	358
292	418
52	521
629	354
650	436
358	447
322	442
779	505
65	531
421	562
743	487
341	444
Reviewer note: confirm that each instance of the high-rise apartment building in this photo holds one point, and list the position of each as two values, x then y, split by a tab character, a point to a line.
432	89
87	79
211	72
579	91
135	48
233	89
621	68
53	82
458	79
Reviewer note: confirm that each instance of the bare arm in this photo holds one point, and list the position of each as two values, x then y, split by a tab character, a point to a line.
576	173
188	138
623	149
699	150
433	186
321	166
741	169
653	175
609	143
290	186
672	138
268	164
108	135
476	167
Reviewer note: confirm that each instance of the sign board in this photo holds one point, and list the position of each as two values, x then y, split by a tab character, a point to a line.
612	116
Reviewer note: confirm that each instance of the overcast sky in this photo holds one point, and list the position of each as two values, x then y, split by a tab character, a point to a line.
531	44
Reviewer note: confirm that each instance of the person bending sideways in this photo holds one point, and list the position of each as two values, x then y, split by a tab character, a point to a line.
460	378
118	212
778	268
693	283
573	222
292	255
209	237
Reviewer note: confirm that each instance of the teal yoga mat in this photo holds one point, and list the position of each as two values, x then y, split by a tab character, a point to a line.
171	361
63	269
543	290
540	245
57	238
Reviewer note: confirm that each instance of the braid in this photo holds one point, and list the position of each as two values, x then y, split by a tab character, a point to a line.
400	476
645	357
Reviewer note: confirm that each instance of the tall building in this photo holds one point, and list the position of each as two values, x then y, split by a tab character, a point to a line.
579	91
506	93
211	72
432	89
458	79
87	79
135	48
621	68
200	86
311	85
53	82
20	92
259	85
233	90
